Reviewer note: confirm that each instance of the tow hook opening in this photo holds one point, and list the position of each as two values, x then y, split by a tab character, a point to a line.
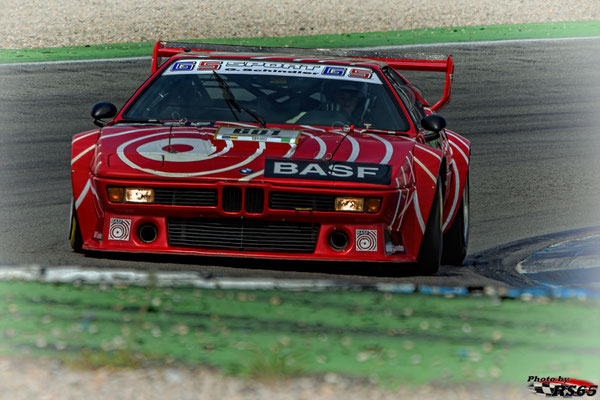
148	233
338	240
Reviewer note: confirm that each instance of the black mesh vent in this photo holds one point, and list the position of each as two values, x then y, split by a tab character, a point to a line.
232	199
301	201
185	197
242	235
255	200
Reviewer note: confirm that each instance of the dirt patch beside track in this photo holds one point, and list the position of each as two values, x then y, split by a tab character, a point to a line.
36	23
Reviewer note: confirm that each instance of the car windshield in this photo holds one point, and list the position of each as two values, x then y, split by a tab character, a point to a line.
280	93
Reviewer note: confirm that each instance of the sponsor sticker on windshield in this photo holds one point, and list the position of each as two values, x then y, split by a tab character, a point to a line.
273	68
257	134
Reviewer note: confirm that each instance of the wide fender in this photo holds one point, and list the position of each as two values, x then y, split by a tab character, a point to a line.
86	202
426	164
458	167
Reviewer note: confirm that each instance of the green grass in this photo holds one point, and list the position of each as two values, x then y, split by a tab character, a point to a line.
397	338
415	36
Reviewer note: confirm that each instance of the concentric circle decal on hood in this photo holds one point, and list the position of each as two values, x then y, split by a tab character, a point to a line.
179	150
156	154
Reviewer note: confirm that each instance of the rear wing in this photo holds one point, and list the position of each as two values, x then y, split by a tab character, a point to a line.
406	62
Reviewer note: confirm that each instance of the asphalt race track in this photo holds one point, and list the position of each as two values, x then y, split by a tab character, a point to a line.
531	110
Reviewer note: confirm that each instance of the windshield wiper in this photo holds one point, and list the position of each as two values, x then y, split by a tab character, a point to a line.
140	121
381	131
232	102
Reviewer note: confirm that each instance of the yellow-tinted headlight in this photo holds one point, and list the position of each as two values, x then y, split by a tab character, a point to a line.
139	195
352	204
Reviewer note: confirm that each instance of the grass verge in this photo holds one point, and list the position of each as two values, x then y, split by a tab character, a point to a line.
415	36
392	338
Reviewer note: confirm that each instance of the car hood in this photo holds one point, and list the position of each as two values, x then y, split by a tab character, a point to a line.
238	153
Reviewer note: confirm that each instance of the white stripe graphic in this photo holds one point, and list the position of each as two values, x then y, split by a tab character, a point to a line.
438	156
74	160
313	128
397	206
84	136
458	138
425	169
84	192
452	144
456	195
412	172
322	145
410	199
155	130
403	175
418	212
355	148
389	149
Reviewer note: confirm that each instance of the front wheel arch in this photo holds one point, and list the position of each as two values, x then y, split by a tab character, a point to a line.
430	252
74	232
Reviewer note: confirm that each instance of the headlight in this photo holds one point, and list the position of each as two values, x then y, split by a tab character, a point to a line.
130	195
139	195
358	204
352	204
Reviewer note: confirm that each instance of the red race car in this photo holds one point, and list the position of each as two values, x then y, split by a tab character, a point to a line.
275	153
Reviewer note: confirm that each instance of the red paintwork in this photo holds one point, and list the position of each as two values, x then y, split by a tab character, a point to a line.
110	157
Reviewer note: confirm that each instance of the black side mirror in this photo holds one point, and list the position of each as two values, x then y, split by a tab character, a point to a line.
101	110
435	123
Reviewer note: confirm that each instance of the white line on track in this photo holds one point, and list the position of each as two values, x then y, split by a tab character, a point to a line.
99	60
399	47
477	43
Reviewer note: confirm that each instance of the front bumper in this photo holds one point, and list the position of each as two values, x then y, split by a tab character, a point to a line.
246	220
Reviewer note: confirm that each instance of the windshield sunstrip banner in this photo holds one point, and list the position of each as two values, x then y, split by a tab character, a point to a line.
377	174
349	73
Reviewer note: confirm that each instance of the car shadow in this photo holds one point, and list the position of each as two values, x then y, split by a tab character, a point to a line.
208	266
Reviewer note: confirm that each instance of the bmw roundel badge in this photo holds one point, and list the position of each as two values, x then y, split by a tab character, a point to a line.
246	171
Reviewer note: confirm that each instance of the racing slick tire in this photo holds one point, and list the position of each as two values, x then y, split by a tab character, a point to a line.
430	253
75	233
456	238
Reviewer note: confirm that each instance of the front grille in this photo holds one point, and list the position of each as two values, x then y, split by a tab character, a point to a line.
242	235
255	200
301	201
185	197
232	199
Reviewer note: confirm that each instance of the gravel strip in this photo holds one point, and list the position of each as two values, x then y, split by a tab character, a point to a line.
25	379
36	23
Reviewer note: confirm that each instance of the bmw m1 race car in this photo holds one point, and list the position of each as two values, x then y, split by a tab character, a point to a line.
275	153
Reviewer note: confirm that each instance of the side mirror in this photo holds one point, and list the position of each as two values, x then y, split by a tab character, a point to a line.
435	123
101	110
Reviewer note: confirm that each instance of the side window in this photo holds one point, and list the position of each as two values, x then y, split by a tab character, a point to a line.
408	97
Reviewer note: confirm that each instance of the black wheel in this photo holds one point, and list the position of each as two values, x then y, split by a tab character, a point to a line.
430	253
74	232
456	239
